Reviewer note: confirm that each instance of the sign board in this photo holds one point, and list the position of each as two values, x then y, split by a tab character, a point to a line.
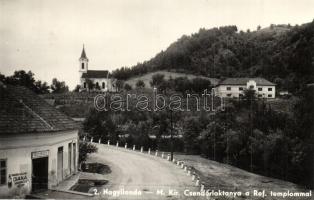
40	154
18	179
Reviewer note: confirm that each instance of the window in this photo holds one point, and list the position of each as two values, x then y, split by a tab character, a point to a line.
260	95
251	86
3	172
97	85
103	84
240	88
228	88
82	65
84	84
260	89
270	95
270	89
229	95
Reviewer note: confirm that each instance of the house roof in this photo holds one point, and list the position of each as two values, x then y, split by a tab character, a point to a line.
95	74
22	111
243	81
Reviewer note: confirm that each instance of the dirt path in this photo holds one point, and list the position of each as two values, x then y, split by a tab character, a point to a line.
146	174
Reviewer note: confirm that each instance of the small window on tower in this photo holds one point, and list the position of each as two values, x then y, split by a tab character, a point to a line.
82	65
103	85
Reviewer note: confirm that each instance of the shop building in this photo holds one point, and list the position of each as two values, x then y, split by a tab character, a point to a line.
38	144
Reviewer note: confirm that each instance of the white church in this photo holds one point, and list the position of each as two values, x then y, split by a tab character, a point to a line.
94	80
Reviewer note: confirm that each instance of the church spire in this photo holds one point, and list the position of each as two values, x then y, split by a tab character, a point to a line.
83	54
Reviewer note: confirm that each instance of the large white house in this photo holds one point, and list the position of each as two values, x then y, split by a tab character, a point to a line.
234	87
100	79
38	144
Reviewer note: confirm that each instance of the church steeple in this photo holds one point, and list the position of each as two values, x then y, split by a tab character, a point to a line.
83	54
83	61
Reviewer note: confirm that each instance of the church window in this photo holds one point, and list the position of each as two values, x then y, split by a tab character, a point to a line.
82	65
84	84
97	85
103	85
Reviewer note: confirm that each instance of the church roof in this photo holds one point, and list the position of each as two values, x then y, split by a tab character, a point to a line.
22	111
83	54
95	74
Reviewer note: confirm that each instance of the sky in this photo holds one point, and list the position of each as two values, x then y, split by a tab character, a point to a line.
46	36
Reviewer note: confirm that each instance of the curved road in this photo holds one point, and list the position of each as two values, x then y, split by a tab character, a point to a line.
153	177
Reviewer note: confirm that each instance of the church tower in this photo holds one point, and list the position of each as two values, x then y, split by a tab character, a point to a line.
83	62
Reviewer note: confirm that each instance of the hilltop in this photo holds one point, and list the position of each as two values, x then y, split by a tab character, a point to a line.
282	54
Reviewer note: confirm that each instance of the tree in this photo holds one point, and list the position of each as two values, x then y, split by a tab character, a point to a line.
127	87
119	84
259	27
157	80
192	129
140	84
58	86
41	88
27	80
77	88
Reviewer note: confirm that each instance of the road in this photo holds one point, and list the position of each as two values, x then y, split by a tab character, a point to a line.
149	177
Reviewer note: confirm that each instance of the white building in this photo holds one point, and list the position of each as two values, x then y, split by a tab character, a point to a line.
234	87
38	144
100	79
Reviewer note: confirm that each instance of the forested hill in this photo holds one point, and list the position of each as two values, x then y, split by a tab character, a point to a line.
283	54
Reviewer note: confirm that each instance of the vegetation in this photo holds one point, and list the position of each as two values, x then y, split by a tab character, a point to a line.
249	134
27	80
58	86
282	54
86	148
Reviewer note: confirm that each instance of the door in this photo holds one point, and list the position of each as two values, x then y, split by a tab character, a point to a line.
60	164
74	157
40	174
70	158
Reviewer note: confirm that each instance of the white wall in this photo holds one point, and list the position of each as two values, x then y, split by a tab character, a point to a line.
235	92
108	84
17	150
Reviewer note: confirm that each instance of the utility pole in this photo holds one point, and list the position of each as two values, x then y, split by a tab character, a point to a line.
171	136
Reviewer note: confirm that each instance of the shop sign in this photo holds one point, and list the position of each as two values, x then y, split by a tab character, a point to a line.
40	154
18	179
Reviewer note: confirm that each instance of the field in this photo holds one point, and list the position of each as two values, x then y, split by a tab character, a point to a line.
148	77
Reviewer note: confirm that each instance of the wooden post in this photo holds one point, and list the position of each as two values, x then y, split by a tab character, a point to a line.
126	145
117	145
91	140
108	142
197	183
141	149
148	150
133	147
99	141
156	153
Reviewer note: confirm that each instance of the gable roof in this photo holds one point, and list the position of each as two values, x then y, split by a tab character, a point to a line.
243	81
95	74
22	111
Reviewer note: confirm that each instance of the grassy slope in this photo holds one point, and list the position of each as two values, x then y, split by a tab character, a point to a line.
148	77
215	175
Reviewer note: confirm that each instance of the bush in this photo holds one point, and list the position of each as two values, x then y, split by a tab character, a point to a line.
86	148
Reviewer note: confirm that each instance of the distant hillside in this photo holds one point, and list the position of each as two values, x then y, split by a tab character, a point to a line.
148	77
283	54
